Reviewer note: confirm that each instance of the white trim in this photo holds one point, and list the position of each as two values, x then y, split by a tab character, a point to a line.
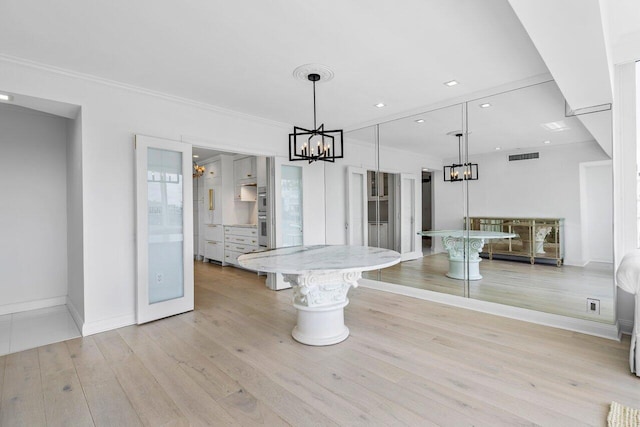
132	88
626	326
604	330
75	314
223	146
31	305
90	328
410	256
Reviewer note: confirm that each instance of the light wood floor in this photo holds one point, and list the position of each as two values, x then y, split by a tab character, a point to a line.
233	362
558	290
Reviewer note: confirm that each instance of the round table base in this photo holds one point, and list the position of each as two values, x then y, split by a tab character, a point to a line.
322	325
457	269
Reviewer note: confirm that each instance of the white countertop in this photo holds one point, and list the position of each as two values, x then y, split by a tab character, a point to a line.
319	259
242	225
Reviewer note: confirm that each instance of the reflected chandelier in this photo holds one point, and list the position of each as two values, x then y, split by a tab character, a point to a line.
468	170
317	143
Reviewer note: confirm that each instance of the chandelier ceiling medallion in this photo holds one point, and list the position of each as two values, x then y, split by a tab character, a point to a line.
460	171
317	143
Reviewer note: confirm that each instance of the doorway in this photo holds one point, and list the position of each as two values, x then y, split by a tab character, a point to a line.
427	212
41	288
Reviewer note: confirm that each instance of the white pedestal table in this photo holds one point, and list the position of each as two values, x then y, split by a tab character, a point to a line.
454	242
320	277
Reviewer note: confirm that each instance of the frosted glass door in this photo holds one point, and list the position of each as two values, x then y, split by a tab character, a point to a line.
291	188
165	228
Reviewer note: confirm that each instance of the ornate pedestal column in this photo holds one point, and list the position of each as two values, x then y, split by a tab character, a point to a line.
455	247
320	299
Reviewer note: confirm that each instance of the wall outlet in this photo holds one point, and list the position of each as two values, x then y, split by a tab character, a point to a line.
593	305
159	278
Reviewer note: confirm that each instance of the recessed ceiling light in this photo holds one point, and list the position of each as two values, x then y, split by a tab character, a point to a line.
485	105
5	97
547	142
379	105
195	156
451	83
420	121
498	148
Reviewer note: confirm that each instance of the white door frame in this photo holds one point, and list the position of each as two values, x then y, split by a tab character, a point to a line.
413	226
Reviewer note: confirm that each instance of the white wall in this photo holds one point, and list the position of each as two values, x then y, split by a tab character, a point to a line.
548	187
111	115
33	210
75	244
596	187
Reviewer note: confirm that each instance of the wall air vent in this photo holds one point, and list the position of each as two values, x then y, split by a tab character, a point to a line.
527	156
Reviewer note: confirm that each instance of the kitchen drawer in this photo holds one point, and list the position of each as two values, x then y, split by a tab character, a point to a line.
231	257
242	231
243	240
213	250
213	232
236	247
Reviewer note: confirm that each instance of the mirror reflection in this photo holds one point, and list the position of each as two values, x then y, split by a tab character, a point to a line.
534	230
546	179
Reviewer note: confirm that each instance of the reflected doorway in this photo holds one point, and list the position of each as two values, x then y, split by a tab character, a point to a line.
427	212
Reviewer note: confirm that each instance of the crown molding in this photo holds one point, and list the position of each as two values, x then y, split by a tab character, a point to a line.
137	89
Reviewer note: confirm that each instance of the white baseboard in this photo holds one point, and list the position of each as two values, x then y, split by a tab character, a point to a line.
604	330
90	328
32	305
626	326
75	315
409	256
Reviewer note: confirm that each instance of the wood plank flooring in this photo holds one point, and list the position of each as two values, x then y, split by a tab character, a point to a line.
547	288
232	361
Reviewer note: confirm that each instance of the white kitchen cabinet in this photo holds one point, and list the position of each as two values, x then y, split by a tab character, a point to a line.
213	242
244	169
239	240
377	186
381	229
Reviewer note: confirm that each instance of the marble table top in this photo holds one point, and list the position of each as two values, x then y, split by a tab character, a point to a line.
319	259
472	234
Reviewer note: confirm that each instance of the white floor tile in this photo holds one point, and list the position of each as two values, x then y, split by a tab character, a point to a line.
34	328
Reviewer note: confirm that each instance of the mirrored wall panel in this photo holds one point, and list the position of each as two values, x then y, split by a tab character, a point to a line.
546	181
422	209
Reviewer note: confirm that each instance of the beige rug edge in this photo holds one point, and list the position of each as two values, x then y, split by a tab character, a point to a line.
623	416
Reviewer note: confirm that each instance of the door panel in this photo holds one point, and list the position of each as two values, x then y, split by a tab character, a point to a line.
357	232
164	233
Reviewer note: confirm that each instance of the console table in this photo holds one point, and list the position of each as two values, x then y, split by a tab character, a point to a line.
538	239
455	241
320	277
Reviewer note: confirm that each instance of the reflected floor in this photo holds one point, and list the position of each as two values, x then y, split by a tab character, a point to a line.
558	290
30	329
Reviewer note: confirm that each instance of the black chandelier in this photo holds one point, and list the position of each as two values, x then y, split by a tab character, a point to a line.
460	171
318	143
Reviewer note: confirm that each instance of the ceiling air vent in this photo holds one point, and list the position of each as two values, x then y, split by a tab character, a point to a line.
527	156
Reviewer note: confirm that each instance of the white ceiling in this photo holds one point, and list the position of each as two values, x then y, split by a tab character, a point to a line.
240	55
512	122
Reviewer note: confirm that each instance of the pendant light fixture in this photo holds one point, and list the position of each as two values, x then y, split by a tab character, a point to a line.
198	170
460	171
317	143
